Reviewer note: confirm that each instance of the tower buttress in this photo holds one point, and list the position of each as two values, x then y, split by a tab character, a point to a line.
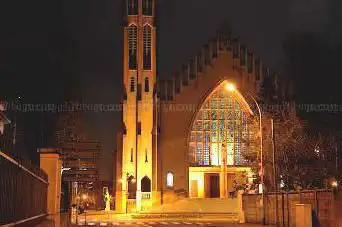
139	77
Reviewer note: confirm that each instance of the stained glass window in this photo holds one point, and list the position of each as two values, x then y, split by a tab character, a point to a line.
206	125
199	154
220	121
205	115
213	115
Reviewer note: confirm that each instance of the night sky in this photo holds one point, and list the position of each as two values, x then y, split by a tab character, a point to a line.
52	51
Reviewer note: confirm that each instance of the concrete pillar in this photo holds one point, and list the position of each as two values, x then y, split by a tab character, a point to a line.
138	201
50	162
156	199
303	215
223	174
120	202
240	204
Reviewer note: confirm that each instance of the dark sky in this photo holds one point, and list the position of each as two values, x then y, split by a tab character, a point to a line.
54	50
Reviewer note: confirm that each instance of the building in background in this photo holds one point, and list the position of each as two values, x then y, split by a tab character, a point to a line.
80	176
3	122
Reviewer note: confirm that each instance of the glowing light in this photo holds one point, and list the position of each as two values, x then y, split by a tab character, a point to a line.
316	150
282	184
64	169
169	180
84	196
334	184
230	87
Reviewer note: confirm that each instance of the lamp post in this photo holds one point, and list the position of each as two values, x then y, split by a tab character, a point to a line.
261	157
231	88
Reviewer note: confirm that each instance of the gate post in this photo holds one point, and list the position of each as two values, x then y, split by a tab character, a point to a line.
50	162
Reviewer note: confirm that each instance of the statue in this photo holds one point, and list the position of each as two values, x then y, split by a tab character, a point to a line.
106	199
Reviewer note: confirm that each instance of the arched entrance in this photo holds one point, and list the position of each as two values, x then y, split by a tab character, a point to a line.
132	187
145	184
221	135
146	188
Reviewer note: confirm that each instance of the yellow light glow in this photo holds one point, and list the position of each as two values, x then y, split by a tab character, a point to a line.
169	180
84	196
334	184
230	87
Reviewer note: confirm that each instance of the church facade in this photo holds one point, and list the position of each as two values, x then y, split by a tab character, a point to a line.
186	136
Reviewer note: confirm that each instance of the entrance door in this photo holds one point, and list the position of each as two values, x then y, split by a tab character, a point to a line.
214	186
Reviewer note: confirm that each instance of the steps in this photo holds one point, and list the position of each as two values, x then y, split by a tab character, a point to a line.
230	217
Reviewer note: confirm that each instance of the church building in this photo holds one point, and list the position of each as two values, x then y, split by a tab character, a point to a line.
187	136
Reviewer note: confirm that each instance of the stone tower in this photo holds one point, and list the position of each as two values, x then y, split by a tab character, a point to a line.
136	187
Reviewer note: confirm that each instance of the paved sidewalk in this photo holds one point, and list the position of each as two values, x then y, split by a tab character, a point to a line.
112	219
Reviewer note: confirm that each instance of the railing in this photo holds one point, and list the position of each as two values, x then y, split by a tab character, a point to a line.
131	205
146	195
23	192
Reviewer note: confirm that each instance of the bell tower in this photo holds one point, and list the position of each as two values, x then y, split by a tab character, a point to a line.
136	186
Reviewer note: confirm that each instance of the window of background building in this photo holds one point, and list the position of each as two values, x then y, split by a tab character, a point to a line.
169	180
147	47
132	46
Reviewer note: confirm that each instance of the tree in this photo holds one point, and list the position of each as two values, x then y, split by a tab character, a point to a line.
301	158
70	127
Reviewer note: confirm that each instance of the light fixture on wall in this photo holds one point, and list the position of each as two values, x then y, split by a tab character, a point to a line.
169	180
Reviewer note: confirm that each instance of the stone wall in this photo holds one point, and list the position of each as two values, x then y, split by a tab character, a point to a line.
324	204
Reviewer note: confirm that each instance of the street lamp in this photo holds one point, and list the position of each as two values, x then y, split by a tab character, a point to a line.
230	87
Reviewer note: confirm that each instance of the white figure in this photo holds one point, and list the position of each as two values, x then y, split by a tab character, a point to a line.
107	200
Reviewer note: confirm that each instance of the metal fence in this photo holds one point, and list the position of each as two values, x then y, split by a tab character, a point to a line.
23	190
324	204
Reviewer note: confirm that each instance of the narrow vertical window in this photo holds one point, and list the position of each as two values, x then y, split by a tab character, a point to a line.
132	84
243	55
250	62
266	72
236	51
257	69
169	180
147	7
132	7
139	128
132	46
147	85
139	92
131	154
147	47
146	159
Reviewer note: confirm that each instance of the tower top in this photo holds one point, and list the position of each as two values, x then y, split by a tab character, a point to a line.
144	8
